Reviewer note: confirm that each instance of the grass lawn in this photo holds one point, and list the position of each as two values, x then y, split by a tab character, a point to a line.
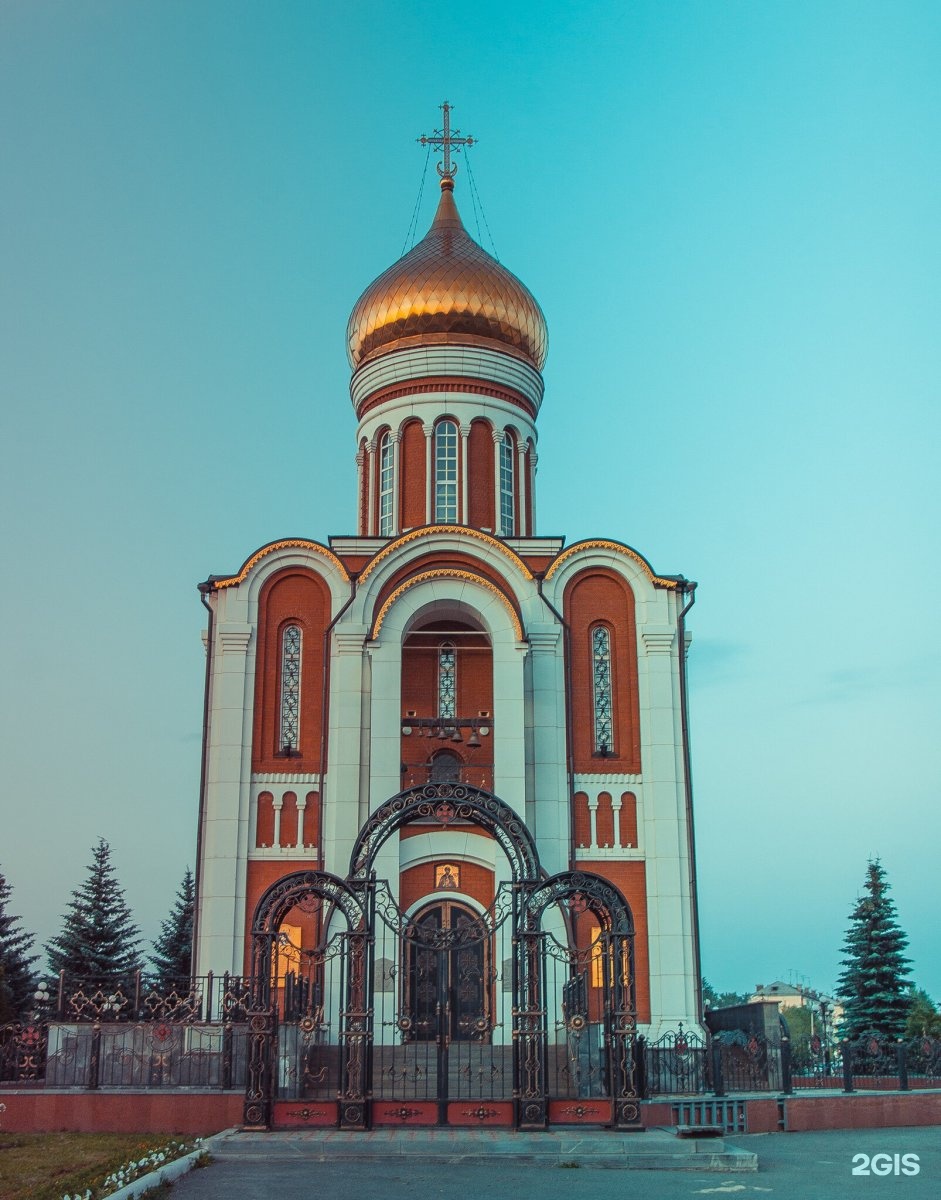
47	1166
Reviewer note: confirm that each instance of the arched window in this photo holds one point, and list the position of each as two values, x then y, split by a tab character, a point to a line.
507	490
602	703
447	680
290	722
445	767
446	471
386	485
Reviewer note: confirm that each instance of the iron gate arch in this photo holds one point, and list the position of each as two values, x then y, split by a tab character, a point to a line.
444	803
529	945
323	1014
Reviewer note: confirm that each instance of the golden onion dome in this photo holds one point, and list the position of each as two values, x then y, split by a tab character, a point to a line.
447	290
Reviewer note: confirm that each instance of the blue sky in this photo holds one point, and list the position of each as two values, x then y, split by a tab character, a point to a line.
729	213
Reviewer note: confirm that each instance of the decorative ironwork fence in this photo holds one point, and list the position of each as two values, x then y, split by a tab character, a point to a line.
676	1064
95	1033
735	1062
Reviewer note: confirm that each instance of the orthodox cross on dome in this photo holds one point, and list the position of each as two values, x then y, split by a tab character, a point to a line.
444	139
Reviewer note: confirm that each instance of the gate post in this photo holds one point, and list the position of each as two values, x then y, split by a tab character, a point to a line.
847	1067
718	1083
262	1038
902	1066
620	1032
356	1020
529	1028
787	1085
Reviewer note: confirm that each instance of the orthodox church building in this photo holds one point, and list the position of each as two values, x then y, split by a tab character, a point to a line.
446	651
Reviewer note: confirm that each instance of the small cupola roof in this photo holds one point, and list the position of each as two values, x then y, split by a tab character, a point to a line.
447	291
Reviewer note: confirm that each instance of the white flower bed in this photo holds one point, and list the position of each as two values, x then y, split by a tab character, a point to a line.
131	1171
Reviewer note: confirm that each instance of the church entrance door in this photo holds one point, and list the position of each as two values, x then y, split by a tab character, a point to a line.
445	986
442	1032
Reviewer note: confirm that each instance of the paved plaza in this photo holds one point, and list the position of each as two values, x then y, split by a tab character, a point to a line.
799	1166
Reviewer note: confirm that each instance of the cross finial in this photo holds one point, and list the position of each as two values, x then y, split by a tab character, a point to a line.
445	139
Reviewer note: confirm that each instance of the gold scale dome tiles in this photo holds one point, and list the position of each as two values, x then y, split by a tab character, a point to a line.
447	289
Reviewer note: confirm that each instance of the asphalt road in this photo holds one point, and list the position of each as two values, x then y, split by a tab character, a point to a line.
796	1166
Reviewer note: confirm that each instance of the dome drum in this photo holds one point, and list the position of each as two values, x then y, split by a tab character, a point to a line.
458	368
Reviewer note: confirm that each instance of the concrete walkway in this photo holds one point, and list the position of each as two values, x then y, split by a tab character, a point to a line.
792	1166
655	1150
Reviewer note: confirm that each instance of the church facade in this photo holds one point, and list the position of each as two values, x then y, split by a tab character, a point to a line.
453	709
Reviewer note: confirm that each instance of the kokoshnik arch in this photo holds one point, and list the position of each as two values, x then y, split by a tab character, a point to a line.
446	649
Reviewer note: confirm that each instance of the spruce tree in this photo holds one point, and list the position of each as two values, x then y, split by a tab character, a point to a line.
873	987
15	959
173	949
99	939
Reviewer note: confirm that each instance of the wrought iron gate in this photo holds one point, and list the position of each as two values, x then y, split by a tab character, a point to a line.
442	999
523	1014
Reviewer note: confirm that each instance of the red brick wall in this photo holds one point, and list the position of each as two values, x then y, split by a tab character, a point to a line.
593	596
191	1113
631	878
419	881
262	873
582	820
474	661
629	819
412	493
293	597
480	476
861	1111
605	820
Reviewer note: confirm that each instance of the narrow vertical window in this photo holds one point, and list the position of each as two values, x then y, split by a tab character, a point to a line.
386	485
447	680
446	471
290	688
507	490
601	690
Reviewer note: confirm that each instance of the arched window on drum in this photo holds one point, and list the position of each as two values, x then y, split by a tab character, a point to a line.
507	486
446	471
386	485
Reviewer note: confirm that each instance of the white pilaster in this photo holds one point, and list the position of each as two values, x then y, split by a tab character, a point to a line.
396	440
428	431
224	850
341	786
551	823
521	489
497	518
464	431
371	502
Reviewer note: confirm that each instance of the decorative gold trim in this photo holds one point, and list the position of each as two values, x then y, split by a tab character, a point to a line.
445	383
449	573
287	544
615	548
429	530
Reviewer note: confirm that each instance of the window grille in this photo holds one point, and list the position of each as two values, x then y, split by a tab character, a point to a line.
446	471
447	680
290	688
601	679
507	514
386	485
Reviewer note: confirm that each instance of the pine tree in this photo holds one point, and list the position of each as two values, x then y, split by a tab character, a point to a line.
99	939
173	949
873	988
15	958
923	1019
